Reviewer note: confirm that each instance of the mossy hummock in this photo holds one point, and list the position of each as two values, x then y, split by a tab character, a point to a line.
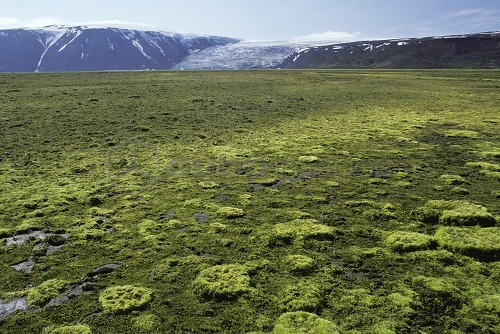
299	230
455	213
42	294
299	264
303	323
401	241
126	298
481	243
76	329
303	296
222	282
230	212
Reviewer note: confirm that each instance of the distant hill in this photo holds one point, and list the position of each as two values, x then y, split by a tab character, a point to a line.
458	51
84	48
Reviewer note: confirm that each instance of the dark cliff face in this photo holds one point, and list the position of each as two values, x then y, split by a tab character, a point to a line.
468	51
96	49
20	51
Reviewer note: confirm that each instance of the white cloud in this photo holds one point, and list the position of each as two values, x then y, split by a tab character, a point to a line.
462	13
116	24
15	22
330	36
111	22
7	21
474	17
468	12
43	21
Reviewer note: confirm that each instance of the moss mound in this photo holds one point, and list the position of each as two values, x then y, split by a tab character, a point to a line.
303	323
222	282
452	180
122	299
299	230
438	296
172	268
438	286
230	212
455	213
487	304
208	184
299	264
481	243
46	291
76	329
409	241
495	153
303	296
482	315
149	227
440	256
308	158
355	307
490	174
461	133
484	165
146	323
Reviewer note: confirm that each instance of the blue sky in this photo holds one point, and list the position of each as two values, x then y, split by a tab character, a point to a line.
267	19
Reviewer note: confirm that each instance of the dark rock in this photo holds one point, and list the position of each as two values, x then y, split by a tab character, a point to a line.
21	239
52	249
24	267
220	198
56	239
7	309
351	275
105	269
201	217
380	174
167	216
73	291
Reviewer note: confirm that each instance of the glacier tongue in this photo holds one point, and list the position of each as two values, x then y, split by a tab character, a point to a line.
240	55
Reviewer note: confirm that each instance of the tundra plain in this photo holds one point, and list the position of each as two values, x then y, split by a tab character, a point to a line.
318	201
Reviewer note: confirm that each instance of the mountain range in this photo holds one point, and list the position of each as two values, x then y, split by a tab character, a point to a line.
88	48
458	51
84	48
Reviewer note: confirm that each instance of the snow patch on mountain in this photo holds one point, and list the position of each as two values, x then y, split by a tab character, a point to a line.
48	38
75	33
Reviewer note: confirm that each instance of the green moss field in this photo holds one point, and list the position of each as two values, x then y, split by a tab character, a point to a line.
321	201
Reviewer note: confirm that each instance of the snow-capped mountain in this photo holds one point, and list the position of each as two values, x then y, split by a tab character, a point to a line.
100	48
456	51
86	48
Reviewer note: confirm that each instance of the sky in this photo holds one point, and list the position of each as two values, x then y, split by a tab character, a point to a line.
276	20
